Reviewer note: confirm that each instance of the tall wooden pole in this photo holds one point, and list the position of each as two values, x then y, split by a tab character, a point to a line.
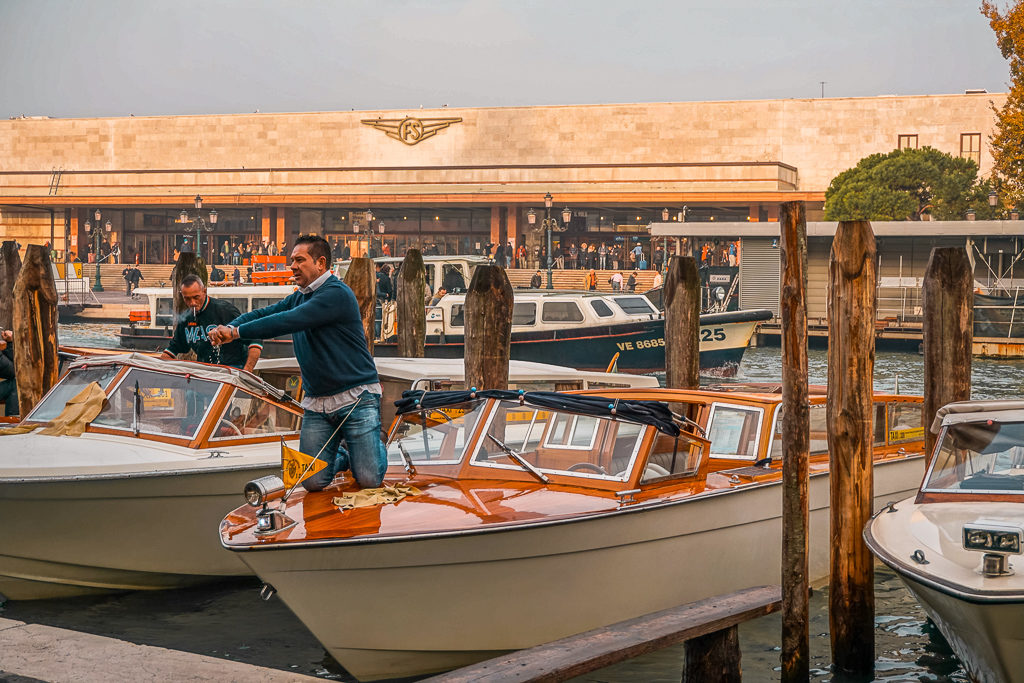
10	266
795	444
35	328
948	333
412	312
852	302
187	264
363	282
682	324
488	328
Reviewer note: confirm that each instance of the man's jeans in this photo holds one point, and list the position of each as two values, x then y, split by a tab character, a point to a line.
9	395
363	452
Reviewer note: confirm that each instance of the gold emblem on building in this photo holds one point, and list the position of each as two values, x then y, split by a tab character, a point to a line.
410	130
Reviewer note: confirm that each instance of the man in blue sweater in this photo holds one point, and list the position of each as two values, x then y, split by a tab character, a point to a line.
342	391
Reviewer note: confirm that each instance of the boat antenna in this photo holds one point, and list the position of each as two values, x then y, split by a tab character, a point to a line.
897	384
136	408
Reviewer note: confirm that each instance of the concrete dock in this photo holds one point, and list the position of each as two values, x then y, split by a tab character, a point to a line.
35	652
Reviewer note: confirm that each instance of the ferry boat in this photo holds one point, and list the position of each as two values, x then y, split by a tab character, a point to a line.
585	330
532	516
957	543
173	443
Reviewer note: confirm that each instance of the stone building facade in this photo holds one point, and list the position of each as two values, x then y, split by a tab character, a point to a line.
457	179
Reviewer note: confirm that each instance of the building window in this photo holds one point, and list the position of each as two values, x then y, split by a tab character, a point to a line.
906	142
970	146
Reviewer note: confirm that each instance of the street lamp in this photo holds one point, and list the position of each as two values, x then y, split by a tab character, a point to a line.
95	231
993	198
198	223
549	224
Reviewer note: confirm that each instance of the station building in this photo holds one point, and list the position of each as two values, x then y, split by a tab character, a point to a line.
451	179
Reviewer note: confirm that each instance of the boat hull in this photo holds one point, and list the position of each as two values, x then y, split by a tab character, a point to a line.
428	604
78	536
640	345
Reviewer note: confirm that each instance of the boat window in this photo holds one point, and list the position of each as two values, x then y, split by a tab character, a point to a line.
264	301
602	309
170	405
557	442
436	436
979	457
247	416
905	422
429	269
164	312
524	313
561	312
452	279
458	316
70	386
670	457
634	305
239	302
733	431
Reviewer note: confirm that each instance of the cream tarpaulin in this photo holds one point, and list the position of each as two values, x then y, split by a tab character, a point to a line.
77	413
381	496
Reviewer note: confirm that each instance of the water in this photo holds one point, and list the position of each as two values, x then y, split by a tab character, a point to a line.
228	620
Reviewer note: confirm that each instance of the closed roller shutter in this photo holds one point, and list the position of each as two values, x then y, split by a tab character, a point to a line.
759	274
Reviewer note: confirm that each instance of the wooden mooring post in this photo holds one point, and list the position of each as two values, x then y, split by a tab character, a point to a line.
412	312
682	324
10	266
488	328
712	621
948	329
188	263
795	444
852	304
362	279
35	328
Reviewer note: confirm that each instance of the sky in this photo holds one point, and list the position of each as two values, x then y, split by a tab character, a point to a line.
76	58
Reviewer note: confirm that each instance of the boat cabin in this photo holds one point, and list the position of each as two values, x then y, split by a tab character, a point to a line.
179	402
453	273
159	312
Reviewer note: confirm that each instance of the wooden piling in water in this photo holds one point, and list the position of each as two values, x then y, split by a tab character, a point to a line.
795	443
714	657
852	305
948	331
35	328
10	266
682	324
488	328
188	263
411	300
362	279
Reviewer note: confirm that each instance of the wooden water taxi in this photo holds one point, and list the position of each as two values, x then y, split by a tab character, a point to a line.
173	444
535	515
957	543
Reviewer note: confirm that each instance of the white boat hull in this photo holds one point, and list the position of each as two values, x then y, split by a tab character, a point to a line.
425	604
981	617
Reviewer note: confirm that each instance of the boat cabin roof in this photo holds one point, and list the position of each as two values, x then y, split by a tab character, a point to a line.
978	411
227	291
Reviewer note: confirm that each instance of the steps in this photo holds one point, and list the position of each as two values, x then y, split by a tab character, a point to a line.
574	279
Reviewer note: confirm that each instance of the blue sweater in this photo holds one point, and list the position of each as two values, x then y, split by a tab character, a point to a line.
327	333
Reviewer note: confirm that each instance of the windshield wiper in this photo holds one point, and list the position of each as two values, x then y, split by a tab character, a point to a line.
519	459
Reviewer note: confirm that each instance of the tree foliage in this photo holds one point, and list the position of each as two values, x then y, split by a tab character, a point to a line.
1008	142
906	184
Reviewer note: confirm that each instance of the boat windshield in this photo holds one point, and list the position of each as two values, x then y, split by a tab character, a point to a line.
69	387
165	404
557	442
435	436
979	457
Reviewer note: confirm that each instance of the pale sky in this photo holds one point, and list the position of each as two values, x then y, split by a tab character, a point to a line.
67	58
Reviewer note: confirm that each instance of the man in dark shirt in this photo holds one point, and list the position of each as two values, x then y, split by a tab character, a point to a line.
8	387
204	314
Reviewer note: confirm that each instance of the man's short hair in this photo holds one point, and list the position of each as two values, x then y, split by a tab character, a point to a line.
192	279
316	246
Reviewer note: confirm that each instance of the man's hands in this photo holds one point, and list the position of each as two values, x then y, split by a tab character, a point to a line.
222	334
6	336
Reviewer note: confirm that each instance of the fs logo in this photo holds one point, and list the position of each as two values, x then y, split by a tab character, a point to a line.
410	130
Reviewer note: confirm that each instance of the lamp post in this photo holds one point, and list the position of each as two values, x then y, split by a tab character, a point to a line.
95	230
198	223
549	224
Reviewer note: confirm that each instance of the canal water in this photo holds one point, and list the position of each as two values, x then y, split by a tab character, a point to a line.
229	620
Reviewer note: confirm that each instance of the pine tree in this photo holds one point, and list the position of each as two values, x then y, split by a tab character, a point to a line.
1008	142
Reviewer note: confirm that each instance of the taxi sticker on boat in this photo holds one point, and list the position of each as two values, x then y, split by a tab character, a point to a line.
906	434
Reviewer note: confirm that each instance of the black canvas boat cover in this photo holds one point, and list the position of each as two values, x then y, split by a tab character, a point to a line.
654	413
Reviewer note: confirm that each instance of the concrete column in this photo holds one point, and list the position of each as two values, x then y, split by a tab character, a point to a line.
281	229
266	230
496	225
513	225
754	213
